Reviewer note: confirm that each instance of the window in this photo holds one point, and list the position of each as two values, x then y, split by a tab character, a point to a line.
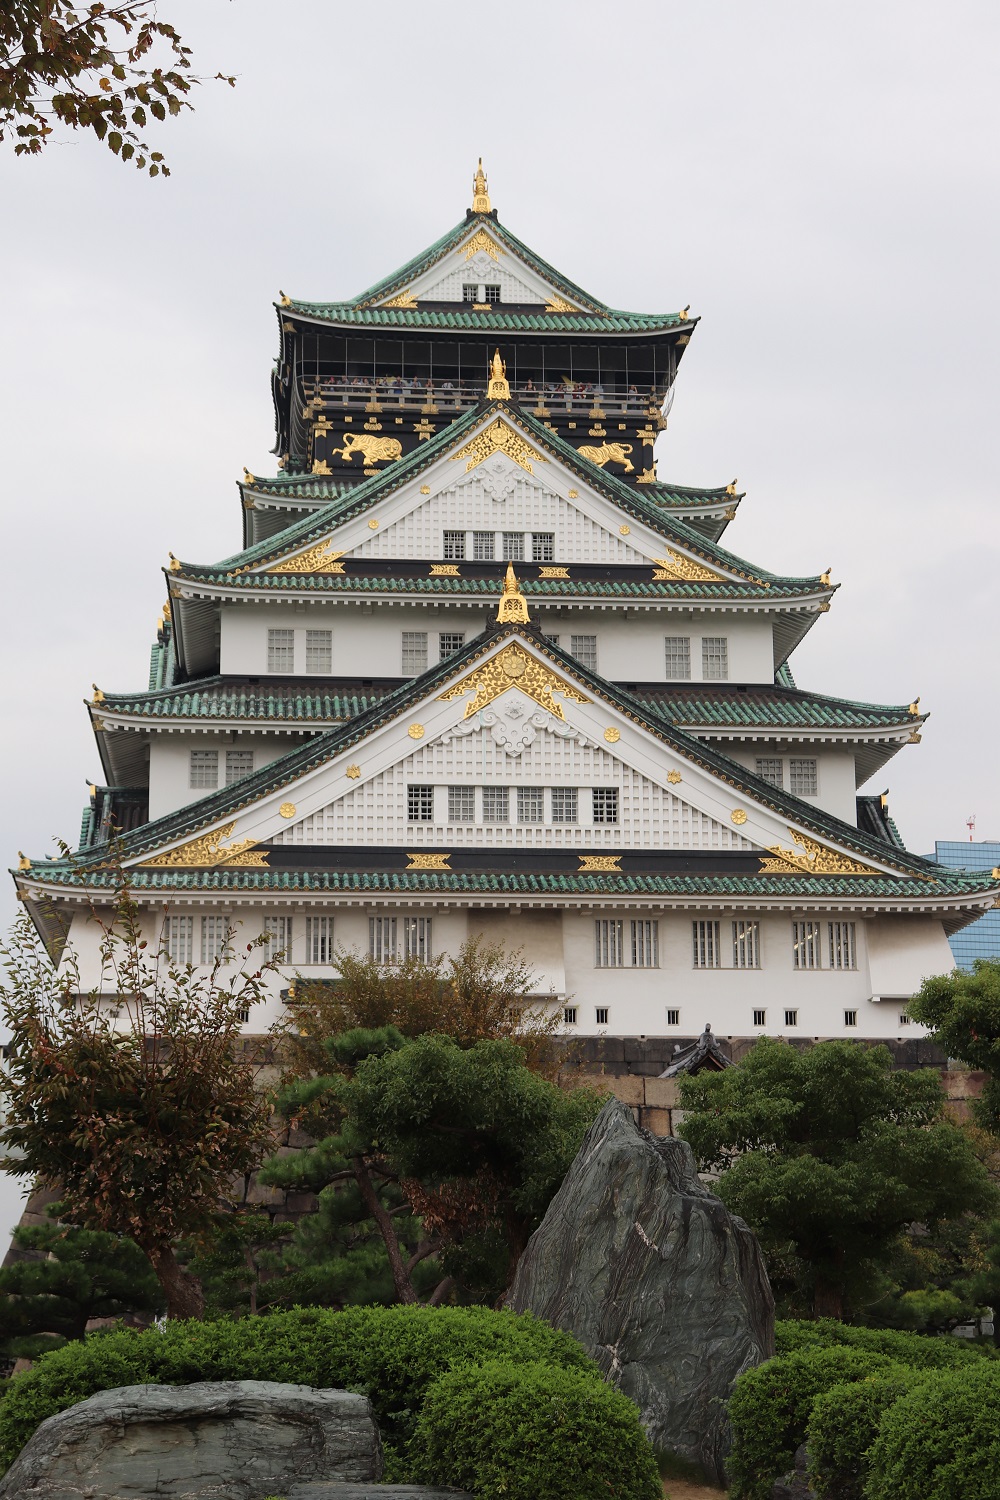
608	943
714	658
791	1018
678	648
319	650
569	1015
450	641
496	804
470	291
178	936
553	640
279	938
605	804
904	1019
382	939
281	650
771	770
420	804
746	945
543	546
805	945
564	804
319	940
454	544
705	944
238	763
461	804
414	652
491	293
645	945
760	1018
601	1015
417	938
204	771
530	804
850	1018
484	546
803	780
243	1015
584	648
843	945
213	938
513	546
673	1017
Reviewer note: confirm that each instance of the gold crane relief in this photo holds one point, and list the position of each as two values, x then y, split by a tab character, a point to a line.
374	450
209	850
609	453
514	668
811	857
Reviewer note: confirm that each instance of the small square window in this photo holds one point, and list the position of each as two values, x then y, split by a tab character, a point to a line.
414	652
484	546
543	546
204	769
715	658
530	804
569	1015
601	1015
553	640
491	292
239	763
791	1018
904	1019
470	291
584	648
496	804
803	778
420	804
760	1018
850	1018
771	769
673	1017
461	804
319	650
513	546
564	804
454	545
678	663
450	641
605	804
281	650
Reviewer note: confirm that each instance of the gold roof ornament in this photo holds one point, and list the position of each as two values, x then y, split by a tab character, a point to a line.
731	488
499	386
248	478
915	707
824	577
513	607
174	563
23	862
480	197
98	695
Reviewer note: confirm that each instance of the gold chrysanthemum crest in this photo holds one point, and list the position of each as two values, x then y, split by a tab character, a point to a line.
500	437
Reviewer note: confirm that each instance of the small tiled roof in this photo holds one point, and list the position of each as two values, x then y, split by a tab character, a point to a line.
778	707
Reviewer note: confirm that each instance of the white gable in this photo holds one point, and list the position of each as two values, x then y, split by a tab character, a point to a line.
482	259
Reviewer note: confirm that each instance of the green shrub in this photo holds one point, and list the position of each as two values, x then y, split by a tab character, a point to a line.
391	1353
770	1407
843	1425
925	1351
532	1432
941	1441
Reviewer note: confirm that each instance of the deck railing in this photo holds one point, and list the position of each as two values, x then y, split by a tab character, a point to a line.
429	397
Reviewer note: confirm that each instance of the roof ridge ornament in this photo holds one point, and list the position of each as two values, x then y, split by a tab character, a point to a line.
480	196
513	607
499	386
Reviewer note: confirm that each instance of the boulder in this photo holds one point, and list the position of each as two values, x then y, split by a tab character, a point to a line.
229	1440
663	1286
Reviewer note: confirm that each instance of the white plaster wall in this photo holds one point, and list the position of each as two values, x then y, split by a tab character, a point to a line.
835	772
903	952
170	763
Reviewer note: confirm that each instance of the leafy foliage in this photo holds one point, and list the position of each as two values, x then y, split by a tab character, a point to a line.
940	1440
532	1432
843	1425
923	1353
963	1012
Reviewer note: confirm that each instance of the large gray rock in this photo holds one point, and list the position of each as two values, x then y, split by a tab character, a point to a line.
664	1287
228	1440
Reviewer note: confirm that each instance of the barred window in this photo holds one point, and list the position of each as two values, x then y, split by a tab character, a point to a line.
470	291
714	657
414	652
678	649
760	1018
454	545
601	1015
791	1018
238	763
461	804
850	1018
491	292
420	804
204	769
904	1019
564	804
746	945
543	546
213	938
484	546
319	650
417	938
382	939
584	648
705	944
673	1017
319	940
803	778
530	804
278	931
450	641
608	943
771	769
553	640
605	804
496	804
843	945
243	1014
805	945
513	546
645	944
178	939
569	1015
281	650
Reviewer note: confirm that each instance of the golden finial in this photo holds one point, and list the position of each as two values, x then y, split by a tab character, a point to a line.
480	197
499	386
684	311
285	301
731	488
915	707
98	695
174	564
23	862
513	607
824	577
248	478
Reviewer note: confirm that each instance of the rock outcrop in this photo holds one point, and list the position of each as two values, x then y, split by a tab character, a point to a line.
664	1287
237	1439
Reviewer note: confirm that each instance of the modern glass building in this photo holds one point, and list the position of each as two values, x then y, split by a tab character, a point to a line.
982	938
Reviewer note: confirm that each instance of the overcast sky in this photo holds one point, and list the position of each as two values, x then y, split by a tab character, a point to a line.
818	181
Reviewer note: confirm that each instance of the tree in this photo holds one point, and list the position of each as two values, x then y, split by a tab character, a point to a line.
137	1112
829	1154
963	1012
91	67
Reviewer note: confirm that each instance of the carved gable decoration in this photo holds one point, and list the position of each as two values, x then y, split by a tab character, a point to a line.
501	437
512	667
209	850
811	857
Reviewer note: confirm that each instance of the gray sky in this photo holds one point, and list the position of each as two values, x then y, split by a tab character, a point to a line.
818	181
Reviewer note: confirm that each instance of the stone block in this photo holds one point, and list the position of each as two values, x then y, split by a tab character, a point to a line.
629	1090
656	1121
965	1085
663	1093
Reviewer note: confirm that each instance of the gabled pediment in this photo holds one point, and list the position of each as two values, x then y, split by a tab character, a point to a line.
482	257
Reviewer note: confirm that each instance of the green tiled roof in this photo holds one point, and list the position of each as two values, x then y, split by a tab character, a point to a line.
777	708
219	698
304	486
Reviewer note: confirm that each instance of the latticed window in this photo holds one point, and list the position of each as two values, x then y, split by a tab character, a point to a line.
417	938
791	1018
454	545
238	763
645	944
496	804
673	1016
678	653
319	940
805	945
553	640
705	944
213	938
760	1018
420	804
850	1018
382	939
746	945
461	804
608	947
803	779
584	648
605	804
843	945
470	291
450	641
204	769
543	546
771	769
569	1015
414	652
715	658
319	650
564	804
601	1015
281	650
491	292
530	804
278	931
178	939
904	1019
513	546
484	546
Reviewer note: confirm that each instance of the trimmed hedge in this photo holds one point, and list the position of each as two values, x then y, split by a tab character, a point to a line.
843	1425
924	1351
531	1432
941	1441
393	1354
